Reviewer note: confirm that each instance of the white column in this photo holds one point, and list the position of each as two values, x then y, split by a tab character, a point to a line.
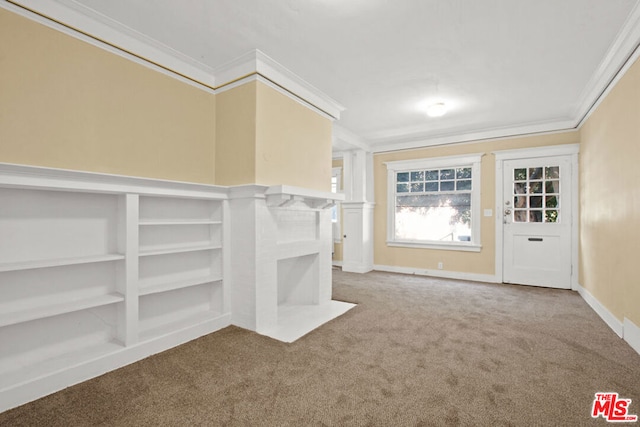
253	277
357	211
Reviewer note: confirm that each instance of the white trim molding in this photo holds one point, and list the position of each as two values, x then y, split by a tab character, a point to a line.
608	318
435	162
621	55
257	62
277	88
345	140
530	153
631	334
443	246
419	137
457	275
84	23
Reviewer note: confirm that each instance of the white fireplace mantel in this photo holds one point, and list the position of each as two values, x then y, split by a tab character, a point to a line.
281	259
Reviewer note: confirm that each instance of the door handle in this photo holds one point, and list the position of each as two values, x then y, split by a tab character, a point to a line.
507	211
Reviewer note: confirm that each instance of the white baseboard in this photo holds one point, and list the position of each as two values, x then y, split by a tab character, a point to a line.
336	263
356	268
438	273
632	334
601	311
13	396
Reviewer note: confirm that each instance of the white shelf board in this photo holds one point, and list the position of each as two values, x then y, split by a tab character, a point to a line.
185	323
146	222
170	286
177	250
27	265
70	306
53	365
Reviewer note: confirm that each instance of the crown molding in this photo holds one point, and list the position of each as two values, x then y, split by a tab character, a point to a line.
479	136
622	54
345	140
81	22
619	57
257	62
86	24
277	88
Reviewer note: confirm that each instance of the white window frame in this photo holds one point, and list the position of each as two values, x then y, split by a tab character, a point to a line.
336	229
467	160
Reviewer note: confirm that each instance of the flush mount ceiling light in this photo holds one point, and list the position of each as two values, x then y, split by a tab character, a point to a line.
436	110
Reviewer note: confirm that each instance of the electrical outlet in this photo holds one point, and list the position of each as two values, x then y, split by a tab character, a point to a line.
440	265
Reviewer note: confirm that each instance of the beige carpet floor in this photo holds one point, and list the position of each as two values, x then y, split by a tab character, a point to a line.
416	351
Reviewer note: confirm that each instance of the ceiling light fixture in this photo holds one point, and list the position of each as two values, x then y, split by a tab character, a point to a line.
436	110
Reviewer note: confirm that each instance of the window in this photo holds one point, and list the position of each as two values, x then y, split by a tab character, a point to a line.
435	203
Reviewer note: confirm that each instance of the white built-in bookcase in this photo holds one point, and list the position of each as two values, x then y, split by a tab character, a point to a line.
97	271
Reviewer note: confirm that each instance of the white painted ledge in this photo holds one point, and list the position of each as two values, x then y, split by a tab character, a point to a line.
36	177
287	195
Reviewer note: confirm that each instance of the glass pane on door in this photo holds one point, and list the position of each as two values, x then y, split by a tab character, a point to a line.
536	194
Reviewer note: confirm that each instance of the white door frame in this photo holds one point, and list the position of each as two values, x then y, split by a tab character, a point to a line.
530	153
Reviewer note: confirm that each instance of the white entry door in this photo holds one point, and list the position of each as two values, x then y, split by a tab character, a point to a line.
537	221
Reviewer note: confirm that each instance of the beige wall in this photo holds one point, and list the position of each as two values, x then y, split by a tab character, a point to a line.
67	104
265	137
482	262
610	199
236	135
293	143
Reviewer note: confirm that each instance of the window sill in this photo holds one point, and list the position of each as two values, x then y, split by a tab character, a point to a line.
454	246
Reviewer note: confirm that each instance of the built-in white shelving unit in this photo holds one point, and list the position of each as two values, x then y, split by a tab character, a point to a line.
97	271
180	270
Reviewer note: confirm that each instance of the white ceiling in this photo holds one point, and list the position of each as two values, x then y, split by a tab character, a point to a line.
503	66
